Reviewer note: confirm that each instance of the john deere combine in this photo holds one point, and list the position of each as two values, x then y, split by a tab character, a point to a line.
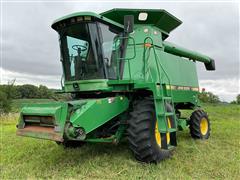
125	81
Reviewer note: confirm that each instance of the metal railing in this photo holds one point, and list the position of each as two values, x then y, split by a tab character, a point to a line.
157	61
119	59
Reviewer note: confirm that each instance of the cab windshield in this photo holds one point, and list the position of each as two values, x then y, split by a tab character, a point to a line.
88	51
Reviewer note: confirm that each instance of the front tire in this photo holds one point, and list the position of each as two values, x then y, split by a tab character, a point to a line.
143	135
199	125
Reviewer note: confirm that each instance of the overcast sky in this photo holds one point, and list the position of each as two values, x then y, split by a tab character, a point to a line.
30	50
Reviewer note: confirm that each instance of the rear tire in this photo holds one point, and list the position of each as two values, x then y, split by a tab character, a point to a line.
199	125
142	139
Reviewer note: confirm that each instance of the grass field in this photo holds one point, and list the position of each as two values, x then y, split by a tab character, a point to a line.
216	158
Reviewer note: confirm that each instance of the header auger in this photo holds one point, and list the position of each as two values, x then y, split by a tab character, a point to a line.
125	81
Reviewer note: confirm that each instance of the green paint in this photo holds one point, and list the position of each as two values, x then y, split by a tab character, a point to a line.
182	124
159	17
97	112
179	51
86	85
139	61
82	14
57	110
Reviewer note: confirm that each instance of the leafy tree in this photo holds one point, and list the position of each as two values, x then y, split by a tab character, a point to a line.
28	91
208	97
5	104
237	101
6	95
44	92
11	91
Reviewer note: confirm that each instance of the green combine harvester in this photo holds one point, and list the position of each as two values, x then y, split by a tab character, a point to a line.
125	81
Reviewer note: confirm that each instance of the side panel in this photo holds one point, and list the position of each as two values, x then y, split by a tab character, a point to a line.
154	62
97	112
183	95
137	64
181	72
86	85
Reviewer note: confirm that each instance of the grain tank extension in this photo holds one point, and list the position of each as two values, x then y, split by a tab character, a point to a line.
125	80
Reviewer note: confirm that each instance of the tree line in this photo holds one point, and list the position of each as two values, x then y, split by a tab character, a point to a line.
9	91
28	91
209	97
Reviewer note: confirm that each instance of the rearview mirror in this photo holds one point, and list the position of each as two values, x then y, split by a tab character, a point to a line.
128	23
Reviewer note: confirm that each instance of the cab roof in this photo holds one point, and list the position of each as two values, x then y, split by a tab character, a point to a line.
157	17
84	14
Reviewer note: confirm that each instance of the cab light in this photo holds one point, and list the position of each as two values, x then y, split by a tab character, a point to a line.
87	18
79	19
148	45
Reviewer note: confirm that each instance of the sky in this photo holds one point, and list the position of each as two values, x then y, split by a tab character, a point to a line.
30	50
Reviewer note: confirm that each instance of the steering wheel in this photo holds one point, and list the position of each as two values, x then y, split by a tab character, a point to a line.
76	47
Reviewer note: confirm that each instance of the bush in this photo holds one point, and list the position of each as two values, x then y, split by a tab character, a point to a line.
6	95
44	92
5	104
28	91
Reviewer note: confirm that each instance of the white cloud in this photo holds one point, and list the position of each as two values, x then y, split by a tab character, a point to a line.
31	54
226	89
21	78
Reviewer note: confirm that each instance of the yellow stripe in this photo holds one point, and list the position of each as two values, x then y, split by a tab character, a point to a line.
187	88
168	86
195	89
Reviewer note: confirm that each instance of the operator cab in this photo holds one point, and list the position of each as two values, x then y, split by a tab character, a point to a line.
89	47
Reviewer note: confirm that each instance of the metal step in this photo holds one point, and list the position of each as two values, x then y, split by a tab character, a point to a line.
167	98
171	130
166	114
164	98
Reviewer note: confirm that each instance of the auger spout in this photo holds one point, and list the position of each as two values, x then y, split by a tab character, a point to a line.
179	51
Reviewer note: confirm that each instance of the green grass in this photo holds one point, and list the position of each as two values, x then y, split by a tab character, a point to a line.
216	158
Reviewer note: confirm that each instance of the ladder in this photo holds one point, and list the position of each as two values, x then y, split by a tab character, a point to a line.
167	121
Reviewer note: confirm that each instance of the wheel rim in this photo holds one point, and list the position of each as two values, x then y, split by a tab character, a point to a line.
204	126
168	134
157	135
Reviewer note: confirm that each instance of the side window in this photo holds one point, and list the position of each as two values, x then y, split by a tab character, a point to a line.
109	46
